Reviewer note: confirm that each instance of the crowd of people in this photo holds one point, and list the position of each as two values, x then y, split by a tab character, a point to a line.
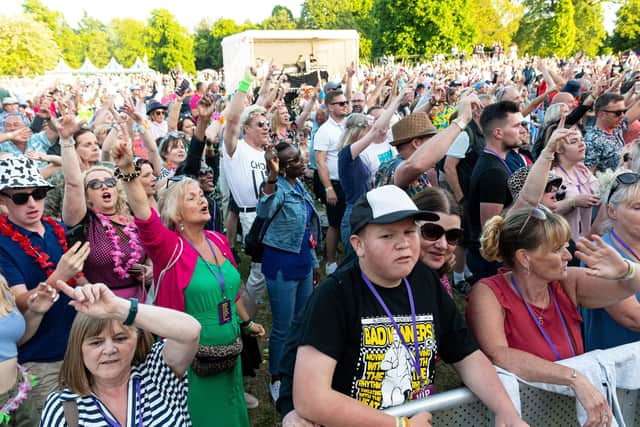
365	203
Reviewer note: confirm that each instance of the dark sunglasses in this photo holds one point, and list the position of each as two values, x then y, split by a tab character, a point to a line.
342	103
175	178
262	123
206	171
433	232
617	113
96	184
536	213
22	198
159	112
627	178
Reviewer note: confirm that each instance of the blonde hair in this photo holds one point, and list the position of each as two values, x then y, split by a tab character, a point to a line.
7	302
501	237
354	125
171	200
121	204
73	373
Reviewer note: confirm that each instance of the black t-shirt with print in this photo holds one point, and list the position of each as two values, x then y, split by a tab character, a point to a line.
344	320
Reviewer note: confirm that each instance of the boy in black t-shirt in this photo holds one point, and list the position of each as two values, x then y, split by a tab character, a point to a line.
365	324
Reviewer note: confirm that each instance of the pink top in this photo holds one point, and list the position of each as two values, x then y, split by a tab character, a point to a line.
521	330
160	244
578	181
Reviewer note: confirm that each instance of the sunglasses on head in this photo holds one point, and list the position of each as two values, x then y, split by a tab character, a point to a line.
175	178
96	184
627	178
536	213
617	113
432	232
341	103
22	198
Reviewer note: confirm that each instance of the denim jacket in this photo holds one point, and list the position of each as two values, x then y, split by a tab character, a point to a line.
287	228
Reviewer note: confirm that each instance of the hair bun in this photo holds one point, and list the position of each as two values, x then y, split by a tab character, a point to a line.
490	239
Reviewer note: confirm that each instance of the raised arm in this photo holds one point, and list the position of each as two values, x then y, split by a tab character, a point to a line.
429	153
206	107
74	205
180	330
232	129
306	111
153	155
136	196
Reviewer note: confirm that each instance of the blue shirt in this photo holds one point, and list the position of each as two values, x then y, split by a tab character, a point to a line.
355	177
600	330
50	341
37	142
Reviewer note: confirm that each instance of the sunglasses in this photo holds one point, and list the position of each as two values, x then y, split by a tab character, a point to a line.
175	178
433	232
342	103
262	123
22	198
96	184
206	171
536	213
158	113
627	178
617	113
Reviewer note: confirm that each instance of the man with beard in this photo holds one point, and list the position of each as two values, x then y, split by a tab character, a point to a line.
489	194
358	104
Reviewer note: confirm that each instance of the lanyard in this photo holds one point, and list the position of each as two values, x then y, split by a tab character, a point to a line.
415	357
217	274
114	423
624	245
490	151
579	184
540	328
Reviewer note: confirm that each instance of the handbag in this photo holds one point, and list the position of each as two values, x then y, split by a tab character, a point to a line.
253	246
215	359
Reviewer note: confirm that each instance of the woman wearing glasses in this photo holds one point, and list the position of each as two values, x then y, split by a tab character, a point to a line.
439	239
95	208
525	317
618	324
195	272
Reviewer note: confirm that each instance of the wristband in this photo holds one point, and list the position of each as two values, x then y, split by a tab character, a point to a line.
631	270
459	123
133	311
246	327
328	188
243	86
67	142
572	203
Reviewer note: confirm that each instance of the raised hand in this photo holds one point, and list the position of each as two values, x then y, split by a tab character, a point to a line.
42	298
602	260
72	261
206	107
131	112
67	125
273	163
466	107
122	155
95	300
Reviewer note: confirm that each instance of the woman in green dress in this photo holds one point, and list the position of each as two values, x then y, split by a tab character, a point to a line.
194	272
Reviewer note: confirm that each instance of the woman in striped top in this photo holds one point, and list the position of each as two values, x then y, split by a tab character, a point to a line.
113	375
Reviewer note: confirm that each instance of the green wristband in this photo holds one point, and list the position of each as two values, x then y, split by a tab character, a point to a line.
133	311
243	86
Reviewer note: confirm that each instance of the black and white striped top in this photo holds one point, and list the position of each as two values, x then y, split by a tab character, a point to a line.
163	398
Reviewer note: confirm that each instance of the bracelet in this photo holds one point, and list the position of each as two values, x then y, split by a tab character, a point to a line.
549	157
328	188
459	123
247	327
403	422
133	311
243	86
631	270
572	203
67	142
128	177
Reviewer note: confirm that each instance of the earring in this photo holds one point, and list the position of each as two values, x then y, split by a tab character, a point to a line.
181	227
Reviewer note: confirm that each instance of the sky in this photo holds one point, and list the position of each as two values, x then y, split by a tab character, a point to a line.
238	10
188	16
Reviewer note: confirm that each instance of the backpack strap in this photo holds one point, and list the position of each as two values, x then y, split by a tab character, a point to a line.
71	414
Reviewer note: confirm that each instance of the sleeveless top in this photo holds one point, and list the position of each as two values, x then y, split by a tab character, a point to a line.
521	330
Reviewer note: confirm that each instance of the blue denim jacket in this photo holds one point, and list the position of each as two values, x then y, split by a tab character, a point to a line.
287	228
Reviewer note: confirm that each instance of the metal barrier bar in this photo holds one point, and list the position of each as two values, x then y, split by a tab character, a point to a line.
436	402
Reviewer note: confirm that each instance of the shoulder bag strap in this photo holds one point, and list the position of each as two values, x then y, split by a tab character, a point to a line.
71	415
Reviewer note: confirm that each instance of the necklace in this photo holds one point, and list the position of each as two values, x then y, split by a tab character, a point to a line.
41	258
130	231
540	315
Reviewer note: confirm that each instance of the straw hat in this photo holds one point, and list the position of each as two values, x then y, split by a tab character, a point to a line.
410	127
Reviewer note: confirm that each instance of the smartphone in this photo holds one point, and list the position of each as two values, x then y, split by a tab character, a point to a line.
182	88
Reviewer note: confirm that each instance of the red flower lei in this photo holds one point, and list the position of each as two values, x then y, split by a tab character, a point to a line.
41	258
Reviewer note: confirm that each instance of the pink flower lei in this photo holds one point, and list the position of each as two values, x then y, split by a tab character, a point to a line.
25	386
134	243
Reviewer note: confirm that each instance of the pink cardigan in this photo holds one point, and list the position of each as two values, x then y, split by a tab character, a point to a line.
160	243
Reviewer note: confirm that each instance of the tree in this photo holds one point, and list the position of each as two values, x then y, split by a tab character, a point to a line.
422	27
169	43
495	20
126	40
562	30
279	8
27	46
626	34
94	39
280	21
589	21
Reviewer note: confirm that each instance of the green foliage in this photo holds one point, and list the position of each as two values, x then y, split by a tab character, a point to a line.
19	36
279	8
126	40
169	44
422	27
281	21
94	40
495	20
562	30
626	34
589	20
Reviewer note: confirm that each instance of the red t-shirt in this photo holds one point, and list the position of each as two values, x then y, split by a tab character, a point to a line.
521	330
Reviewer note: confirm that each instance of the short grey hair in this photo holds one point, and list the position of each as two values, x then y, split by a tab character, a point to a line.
250	112
171	200
553	113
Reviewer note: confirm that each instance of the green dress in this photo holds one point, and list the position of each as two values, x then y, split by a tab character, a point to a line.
217	399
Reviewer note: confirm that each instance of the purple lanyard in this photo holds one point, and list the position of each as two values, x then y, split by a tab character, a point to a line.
217	274
114	423
415	358
540	328
579	185
623	244
490	151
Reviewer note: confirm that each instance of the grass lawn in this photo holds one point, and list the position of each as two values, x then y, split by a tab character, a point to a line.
266	415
